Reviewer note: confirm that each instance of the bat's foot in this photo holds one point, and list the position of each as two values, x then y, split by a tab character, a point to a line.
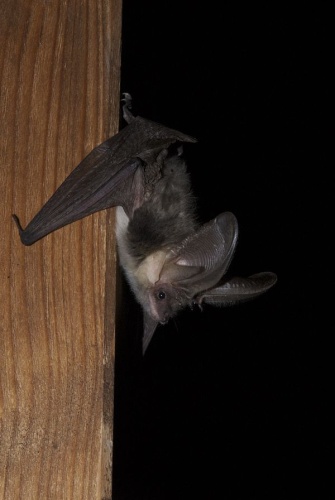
127	114
127	99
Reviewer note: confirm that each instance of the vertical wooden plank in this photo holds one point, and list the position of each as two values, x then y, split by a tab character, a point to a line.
59	83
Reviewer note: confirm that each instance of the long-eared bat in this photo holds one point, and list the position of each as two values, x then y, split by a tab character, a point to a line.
169	259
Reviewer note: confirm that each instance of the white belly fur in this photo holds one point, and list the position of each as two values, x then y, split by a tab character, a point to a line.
148	272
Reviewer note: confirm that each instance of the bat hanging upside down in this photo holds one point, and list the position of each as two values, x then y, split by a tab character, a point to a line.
170	261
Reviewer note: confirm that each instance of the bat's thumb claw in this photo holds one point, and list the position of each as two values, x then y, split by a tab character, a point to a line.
17	222
25	239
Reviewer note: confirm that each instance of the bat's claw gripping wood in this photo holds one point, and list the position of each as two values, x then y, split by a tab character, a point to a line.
127	114
20	228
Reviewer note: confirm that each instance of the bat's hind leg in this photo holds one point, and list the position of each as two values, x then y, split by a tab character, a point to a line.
127	114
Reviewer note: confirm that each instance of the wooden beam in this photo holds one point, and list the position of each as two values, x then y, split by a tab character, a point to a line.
59	83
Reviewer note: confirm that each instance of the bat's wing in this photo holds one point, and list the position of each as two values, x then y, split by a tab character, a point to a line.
91	187
112	174
238	289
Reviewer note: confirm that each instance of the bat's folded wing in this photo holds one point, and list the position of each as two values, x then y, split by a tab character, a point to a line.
105	178
90	187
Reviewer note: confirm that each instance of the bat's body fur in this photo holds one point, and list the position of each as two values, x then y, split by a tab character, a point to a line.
168	215
164	220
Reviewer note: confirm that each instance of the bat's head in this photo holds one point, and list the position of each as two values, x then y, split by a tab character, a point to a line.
168	281
194	272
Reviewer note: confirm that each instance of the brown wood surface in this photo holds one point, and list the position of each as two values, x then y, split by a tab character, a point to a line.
59	83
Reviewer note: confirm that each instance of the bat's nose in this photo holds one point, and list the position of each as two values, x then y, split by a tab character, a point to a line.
165	319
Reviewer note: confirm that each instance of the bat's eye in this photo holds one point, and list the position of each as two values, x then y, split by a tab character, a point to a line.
161	295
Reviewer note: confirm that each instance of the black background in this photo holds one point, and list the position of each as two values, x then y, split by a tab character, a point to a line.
236	402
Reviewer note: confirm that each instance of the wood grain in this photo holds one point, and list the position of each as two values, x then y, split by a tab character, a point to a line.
59	82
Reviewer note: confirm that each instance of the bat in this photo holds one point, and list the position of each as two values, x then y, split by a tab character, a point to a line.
169	259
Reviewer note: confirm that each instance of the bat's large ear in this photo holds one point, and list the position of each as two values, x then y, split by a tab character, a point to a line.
204	257
149	327
238	290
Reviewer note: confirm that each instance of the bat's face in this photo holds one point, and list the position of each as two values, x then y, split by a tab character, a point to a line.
165	301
